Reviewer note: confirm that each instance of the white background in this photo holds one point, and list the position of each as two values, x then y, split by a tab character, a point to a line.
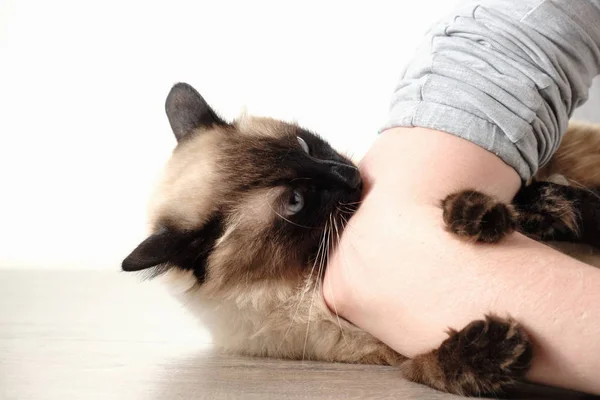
83	133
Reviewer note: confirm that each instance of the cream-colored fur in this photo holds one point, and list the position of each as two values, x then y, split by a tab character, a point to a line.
578	157
182	195
260	126
277	319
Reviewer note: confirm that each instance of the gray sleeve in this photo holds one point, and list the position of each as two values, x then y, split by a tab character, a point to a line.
505	75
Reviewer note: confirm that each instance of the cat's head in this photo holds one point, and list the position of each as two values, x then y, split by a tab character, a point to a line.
242	201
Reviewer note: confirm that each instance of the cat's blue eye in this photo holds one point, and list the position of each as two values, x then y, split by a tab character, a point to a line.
303	144
295	203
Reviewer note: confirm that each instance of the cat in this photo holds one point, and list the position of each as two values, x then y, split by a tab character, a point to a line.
243	220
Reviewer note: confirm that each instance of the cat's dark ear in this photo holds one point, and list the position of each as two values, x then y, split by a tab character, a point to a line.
187	110
158	248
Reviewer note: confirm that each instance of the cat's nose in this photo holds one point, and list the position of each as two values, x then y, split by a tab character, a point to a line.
349	175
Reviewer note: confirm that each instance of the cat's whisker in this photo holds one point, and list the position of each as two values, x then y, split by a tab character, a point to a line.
337	315
343	259
347	209
312	300
322	262
320	259
305	289
345	221
342	211
350	204
349	212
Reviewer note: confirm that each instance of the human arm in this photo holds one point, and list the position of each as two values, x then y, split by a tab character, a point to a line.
397	273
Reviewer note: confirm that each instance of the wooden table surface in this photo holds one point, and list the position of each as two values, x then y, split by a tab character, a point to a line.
106	335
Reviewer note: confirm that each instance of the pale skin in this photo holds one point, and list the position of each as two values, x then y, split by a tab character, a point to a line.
400	276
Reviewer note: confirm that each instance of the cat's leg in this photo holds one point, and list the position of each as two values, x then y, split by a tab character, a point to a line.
542	210
477	216
549	211
485	357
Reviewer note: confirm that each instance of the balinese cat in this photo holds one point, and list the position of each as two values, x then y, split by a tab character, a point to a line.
244	218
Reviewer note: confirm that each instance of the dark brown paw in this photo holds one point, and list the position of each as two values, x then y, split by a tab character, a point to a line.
546	212
477	216
485	357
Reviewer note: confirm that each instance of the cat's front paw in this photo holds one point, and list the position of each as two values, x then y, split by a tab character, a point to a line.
473	215
485	357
